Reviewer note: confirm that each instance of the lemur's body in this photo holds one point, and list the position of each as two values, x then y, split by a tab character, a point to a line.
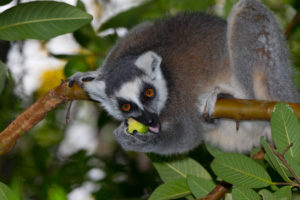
188	61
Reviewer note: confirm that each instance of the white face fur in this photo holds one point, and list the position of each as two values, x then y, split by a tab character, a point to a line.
149	62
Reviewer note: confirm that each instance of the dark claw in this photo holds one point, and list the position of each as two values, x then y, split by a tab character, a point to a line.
71	83
208	118
237	125
86	79
224	96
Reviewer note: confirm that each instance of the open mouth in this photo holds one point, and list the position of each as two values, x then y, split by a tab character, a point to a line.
154	129
134	126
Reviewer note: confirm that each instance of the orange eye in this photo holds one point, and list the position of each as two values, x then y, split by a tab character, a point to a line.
149	92
126	107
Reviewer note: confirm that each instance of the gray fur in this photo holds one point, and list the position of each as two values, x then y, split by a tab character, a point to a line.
124	68
194	57
252	23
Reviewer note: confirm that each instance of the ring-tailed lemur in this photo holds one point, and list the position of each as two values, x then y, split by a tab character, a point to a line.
169	73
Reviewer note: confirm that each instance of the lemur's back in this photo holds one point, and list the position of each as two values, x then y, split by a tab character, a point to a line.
193	48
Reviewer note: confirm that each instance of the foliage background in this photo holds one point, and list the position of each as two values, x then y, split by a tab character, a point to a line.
36	170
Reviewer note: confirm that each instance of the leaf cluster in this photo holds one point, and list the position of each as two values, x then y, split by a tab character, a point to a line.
274	178
182	177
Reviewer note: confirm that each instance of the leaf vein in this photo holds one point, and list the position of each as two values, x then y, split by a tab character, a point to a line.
39	21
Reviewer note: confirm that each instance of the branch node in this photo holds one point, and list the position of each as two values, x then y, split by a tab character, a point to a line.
285	163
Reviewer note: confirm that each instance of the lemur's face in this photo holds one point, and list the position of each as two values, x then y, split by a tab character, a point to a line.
139	99
135	89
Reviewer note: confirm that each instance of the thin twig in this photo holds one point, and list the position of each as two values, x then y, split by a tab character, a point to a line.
283	160
260	155
291	25
218	192
68	113
286	149
287	183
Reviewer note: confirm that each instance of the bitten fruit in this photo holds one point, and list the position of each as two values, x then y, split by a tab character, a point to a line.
134	125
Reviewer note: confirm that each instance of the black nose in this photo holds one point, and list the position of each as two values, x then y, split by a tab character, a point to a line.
147	118
149	121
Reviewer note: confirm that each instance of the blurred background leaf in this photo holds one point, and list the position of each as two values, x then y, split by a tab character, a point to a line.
76	64
151	10
6	193
3	70
4	2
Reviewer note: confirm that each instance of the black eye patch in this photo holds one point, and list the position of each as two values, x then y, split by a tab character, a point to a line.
148	92
127	103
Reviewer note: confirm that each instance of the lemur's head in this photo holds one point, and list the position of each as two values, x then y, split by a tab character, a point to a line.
132	87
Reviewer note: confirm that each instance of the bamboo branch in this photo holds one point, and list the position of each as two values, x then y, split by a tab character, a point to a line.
243	109
236	109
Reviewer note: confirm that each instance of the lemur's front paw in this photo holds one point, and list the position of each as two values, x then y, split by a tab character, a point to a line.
208	103
80	78
208	106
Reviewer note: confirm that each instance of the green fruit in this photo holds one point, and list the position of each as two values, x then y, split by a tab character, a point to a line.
135	125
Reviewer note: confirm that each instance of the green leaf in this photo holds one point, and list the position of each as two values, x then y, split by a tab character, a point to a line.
267	195
80	5
214	151
3	69
4	2
199	186
41	20
57	193
6	193
76	64
87	37
228	6
16	185
189	197
188	5
285	130
150	10
171	190
240	170
283	193
244	193
274	161
294	166
177	169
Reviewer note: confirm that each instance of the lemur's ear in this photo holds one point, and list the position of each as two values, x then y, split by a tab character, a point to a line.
96	89
149	62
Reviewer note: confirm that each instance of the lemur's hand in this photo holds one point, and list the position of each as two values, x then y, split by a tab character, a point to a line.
80	78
